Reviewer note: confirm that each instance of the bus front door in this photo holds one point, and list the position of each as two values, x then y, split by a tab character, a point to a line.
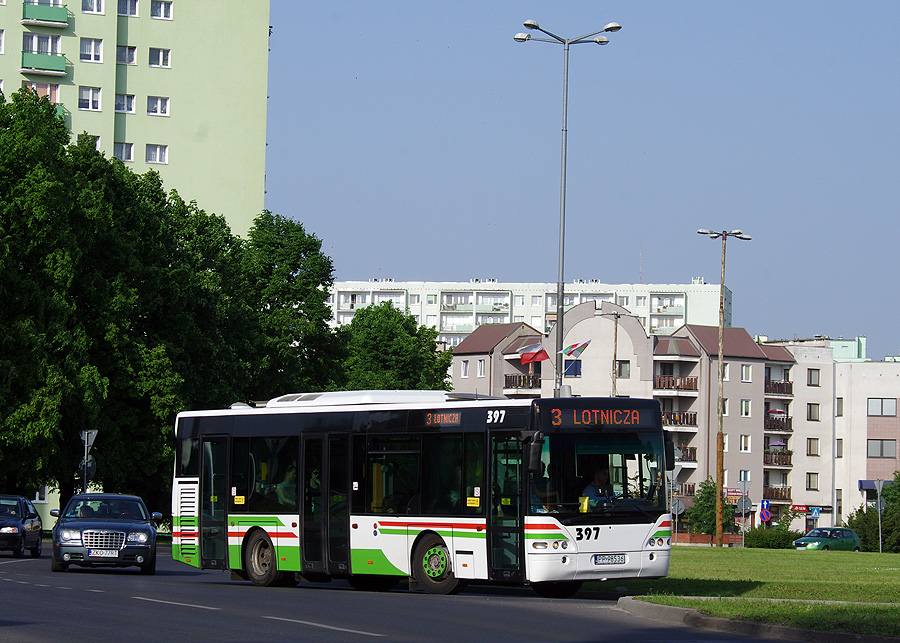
505	532
324	510
213	488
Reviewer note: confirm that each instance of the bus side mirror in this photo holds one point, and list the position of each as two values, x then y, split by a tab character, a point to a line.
533	454
670	455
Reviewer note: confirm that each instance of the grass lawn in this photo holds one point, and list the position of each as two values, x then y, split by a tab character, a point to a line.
758	575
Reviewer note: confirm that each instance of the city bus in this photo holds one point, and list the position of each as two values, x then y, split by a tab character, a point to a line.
437	488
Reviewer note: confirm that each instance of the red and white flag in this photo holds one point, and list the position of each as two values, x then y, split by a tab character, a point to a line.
533	353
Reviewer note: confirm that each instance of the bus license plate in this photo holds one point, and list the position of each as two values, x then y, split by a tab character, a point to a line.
609	559
103	553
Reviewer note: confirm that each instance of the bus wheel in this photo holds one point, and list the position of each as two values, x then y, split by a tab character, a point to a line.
560	589
369	583
432	569
259	560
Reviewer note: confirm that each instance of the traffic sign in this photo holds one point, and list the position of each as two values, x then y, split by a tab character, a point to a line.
881	503
744	486
765	516
765	505
677	507
87	469
814	511
88	437
744	505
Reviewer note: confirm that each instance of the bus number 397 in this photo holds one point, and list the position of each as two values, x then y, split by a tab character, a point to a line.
587	533
496	416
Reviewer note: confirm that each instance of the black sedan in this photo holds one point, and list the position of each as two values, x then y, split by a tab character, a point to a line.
105	530
20	526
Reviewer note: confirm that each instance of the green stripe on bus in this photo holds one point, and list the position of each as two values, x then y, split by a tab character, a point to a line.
662	533
556	535
372	561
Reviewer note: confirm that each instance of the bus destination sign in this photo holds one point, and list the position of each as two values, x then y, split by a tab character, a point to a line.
442	418
597	417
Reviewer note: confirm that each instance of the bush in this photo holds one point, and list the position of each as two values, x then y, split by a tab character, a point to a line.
763	538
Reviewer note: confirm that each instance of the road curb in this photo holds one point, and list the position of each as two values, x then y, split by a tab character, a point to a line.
696	619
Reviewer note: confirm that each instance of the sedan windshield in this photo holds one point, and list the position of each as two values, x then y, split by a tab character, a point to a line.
106	508
9	508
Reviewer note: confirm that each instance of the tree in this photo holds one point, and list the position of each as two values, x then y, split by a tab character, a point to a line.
864	521
702	515
288	281
387	350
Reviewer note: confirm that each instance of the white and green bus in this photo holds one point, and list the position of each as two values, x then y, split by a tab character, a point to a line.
441	489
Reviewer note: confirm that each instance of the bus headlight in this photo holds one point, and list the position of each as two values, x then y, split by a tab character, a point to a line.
539	545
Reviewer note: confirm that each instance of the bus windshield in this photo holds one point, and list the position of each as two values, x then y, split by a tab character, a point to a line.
608	477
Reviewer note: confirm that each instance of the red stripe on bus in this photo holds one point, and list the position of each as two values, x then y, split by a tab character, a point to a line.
435	525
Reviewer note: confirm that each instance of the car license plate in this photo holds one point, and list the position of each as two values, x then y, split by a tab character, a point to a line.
609	559
103	553
802	547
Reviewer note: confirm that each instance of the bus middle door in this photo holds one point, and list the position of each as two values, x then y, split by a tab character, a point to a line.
213	498
505	530
324	508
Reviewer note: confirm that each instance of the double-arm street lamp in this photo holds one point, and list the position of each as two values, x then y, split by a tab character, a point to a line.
720	437
599	39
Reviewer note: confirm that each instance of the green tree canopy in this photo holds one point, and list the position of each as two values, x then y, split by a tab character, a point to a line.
702	515
387	350
864	521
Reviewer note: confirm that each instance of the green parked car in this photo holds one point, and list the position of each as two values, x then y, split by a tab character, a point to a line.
829	538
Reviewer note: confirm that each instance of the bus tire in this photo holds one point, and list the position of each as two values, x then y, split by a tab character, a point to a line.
372	583
432	568
260	560
558	589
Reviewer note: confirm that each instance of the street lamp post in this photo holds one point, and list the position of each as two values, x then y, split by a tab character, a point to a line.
594	37
720	436
615	370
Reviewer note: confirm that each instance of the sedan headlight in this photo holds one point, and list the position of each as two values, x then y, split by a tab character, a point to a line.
70	536
9	530
139	537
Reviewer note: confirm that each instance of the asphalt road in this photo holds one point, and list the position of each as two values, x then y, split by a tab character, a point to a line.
180	603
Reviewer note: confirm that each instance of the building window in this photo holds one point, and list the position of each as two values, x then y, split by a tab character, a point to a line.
745	444
1	40
465	368
89	98
812	412
159	57
50	90
622	301
745	408
745	372
415	300
90	138
91	50
838	503
839	407
38	43
725	444
432	299
881	448
812	377
839	448
128	7
92	6
640	301
124	151
161	9
157	153
157	106
537	300
519	300
519	318
125	103
481	368
126	54
725	372
573	368
623	369
745	475
725	407
812	481
882	407
812	446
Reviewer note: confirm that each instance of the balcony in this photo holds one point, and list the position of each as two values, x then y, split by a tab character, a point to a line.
779	388
668	310
517	381
778	494
686	489
777	459
671	383
43	64
680	418
45	13
778	424
688	454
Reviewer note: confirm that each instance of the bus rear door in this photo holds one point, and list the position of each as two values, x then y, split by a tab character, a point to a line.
213	496
505	531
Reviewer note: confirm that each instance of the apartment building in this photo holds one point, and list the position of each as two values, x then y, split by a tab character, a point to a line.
457	308
808	430
145	79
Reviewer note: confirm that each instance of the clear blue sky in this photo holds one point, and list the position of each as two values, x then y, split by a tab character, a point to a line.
420	142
